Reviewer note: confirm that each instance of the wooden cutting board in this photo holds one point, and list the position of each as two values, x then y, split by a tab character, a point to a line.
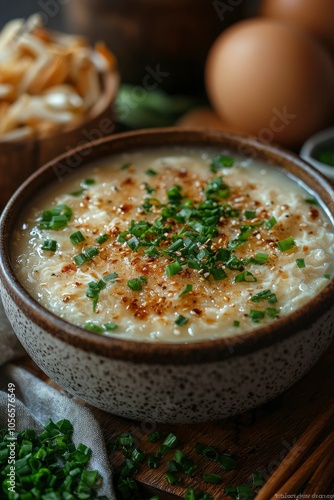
258	439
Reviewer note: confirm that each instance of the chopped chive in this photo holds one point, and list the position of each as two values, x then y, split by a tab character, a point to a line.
149	189
125	439
110	327
300	263
221	161
327	276
110	277
212	478
91	252
188	288
136	284
125	166
80	259
286	245
265	295
256	315
133	243
270	223
173	478
245	276
155	436
77	238
236	323
272	312
150	172
181	320
55	218
88	182
171	441
218	273
91	327
311	201
261	257
243	491
152	252
173	268
50	245
102	239
93	291
227	462
250	214
152	462
257	479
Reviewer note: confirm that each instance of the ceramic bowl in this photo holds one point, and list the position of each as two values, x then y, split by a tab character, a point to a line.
314	145
169	382
19	159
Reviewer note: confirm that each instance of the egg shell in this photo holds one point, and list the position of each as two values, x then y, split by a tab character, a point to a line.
315	16
272	80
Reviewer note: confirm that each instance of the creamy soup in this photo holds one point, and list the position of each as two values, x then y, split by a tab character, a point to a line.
174	245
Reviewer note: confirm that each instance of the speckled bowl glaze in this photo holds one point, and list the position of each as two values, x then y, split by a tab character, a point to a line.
168	382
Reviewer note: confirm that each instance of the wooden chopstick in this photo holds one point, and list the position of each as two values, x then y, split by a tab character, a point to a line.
304	473
295	456
323	476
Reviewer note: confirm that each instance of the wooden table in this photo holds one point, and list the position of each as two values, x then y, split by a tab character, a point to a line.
258	439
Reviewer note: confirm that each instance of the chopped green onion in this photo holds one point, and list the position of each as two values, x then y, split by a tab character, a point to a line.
125	166
110	277
155	436
270	223
250	214
150	172
102	239
221	161
50	245
181	320
311	201
91	327
173	268
236	323
257	479
327	276
256	315
188	288
173	478
212	478
77	238
110	327
261	257
286	245
171	441
245	276
133	243
264	295
55	218
241	492
91	252
226	462
93	291
272	312
218	273
80	259
88	182
300	263
136	284
152	462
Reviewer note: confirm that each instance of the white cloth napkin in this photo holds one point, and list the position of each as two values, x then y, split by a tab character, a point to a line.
36	402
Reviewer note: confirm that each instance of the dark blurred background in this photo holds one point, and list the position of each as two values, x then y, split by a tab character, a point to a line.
171	36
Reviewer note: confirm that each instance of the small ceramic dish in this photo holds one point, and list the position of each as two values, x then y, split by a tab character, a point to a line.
169	382
314	146
19	159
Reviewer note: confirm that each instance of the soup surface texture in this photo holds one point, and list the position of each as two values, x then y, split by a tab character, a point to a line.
174	245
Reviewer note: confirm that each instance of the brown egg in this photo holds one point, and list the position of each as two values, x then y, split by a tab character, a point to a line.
316	16
203	118
271	80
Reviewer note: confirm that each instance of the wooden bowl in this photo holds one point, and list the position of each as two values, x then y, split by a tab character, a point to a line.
19	159
169	382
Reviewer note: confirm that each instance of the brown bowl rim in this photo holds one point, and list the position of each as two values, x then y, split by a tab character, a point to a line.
157	352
